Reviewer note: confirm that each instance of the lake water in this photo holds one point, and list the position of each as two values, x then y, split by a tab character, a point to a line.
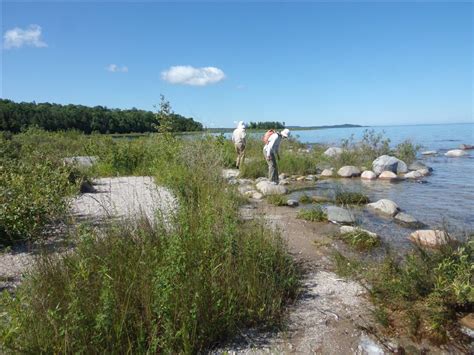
447	197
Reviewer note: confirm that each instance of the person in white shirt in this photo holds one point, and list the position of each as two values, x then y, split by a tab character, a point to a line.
238	137
271	151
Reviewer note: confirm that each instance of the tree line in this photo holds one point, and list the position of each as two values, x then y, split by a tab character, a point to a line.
266	125
15	117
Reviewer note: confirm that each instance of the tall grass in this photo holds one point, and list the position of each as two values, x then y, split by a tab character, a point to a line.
147	290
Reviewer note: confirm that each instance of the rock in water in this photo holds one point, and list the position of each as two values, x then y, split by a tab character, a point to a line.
348	171
327	172
333	152
418	165
429	238
292	203
388	175
389	163
407	220
368	175
466	147
351	229
339	215
455	153
385	206
270	188
413	175
424	172
429	152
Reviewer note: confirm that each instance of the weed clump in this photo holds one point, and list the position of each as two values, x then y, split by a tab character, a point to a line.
277	200
315	214
421	293
305	198
351	198
360	240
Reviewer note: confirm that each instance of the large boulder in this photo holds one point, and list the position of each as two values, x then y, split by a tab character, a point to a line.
418	165
385	206
348	171
81	161
466	146
339	215
388	175
333	152
455	153
429	238
389	163
424	172
368	175
270	188
407	220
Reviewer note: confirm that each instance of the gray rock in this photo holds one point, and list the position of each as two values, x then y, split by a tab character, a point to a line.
389	163
283	176
466	146
292	203
230	173
414	175
257	195
339	215
81	161
407	220
245	181
418	165
455	153
388	175
327	172
310	178
429	152
424	172
270	188
284	182
368	175
429	238
385	206
243	189
260	179
333	152
348	171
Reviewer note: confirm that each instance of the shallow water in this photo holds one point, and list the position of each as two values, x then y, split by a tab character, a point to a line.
445	199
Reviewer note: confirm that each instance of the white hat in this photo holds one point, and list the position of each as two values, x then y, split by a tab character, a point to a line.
241	124
285	133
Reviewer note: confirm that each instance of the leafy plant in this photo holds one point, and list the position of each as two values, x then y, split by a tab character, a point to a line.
314	214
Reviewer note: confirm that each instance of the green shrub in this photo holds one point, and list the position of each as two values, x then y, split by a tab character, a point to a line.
407	151
31	197
314	214
253	169
148	290
351	198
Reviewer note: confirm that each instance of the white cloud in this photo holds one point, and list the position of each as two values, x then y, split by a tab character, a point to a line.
114	68
188	75
18	37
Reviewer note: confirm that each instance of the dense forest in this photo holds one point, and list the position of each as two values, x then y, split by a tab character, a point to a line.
16	117
266	125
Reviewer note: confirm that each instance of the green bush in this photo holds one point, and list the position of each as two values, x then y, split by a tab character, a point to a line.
31	197
314	214
176	289
407	151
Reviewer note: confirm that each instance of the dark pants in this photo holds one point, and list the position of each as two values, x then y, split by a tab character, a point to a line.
272	169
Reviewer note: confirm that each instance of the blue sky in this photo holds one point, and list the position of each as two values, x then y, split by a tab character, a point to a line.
303	63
